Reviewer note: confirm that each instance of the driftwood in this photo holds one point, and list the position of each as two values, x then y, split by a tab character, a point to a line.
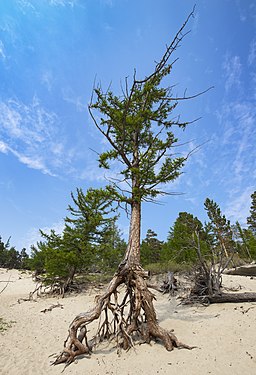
208	287
246	270
169	285
232	297
52	307
7	282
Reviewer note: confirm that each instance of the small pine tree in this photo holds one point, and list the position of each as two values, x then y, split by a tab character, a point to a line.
151	248
251	220
221	227
110	249
180	244
61	256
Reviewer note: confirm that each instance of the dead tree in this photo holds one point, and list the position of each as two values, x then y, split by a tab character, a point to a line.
208	278
139	129
170	284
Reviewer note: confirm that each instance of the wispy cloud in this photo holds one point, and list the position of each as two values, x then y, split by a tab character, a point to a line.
252	53
236	144
25	5
238	208
63	3
2	51
70	97
47	80
108	3
33	235
3	147
33	135
232	71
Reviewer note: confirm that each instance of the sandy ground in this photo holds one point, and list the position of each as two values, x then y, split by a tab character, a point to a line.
225	335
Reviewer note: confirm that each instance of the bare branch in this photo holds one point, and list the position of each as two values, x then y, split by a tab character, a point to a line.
188	97
169	49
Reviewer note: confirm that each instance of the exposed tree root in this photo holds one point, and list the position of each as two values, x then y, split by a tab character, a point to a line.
125	317
58	287
170	284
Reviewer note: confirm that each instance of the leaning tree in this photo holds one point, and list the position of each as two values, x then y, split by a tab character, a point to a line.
138	126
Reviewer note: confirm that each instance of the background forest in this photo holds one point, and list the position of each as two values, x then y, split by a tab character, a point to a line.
91	242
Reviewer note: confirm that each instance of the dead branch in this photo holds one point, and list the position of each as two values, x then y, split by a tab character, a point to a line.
52	307
7	283
169	285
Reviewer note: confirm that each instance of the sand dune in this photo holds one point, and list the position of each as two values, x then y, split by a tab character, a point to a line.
225	335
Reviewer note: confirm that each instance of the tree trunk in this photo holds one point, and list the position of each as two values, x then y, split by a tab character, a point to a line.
132	254
232	297
126	316
68	280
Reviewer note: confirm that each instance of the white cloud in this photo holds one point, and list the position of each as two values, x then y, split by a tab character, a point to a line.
33	135
3	147
252	53
63	3
238	208
33	235
33	162
109	3
26	5
236	143
92	172
47	80
57	227
70	97
2	51
232	70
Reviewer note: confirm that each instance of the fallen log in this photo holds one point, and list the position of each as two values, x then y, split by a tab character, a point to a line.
232	297
247	270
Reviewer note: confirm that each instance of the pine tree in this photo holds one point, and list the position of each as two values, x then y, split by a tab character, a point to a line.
139	127
221	227
61	256
111	248
242	241
251	220
151	248
180	243
9	256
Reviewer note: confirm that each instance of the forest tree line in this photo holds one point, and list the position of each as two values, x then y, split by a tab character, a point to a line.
92	242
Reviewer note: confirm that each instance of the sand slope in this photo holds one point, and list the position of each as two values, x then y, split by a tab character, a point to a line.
225	335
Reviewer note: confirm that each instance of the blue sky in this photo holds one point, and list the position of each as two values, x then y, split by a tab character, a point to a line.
50	53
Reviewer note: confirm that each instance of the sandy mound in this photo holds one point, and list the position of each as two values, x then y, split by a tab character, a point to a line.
225	335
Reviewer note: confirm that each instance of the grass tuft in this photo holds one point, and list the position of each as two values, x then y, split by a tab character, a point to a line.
5	325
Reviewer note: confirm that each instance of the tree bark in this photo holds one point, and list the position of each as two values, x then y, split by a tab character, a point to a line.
132	255
126	317
232	297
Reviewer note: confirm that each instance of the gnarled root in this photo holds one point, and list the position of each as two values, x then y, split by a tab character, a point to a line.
124	317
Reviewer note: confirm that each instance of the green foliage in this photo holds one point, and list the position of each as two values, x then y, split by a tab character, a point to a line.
220	228
170	265
139	128
180	245
110	250
37	258
11	258
4	325
241	241
251	220
88	242
250	240
151	248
